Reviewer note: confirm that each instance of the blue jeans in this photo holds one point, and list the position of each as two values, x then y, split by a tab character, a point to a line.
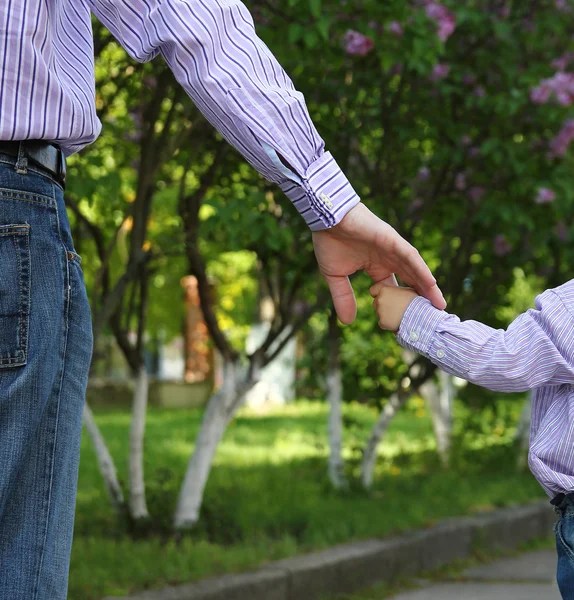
45	354
565	546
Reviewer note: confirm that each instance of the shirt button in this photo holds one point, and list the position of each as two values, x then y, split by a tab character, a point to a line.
441	354
414	336
327	200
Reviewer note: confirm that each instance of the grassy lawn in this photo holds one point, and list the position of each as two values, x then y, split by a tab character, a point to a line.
268	496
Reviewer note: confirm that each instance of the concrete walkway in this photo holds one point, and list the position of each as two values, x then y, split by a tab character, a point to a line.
527	577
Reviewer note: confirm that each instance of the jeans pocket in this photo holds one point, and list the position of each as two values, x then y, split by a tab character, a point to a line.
14	294
565	535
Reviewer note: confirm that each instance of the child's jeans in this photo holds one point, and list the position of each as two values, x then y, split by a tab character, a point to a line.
564	506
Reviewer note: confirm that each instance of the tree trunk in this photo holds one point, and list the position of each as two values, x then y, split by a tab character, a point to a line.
522	435
395	403
138	507
105	461
440	401
335	397
220	410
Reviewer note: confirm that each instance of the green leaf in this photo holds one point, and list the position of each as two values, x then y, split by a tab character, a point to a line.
295	33
323	27
311	38
387	61
315	6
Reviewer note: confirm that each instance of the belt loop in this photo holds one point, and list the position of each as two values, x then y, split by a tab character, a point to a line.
62	167
22	163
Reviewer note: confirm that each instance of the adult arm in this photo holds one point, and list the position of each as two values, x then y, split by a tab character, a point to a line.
234	79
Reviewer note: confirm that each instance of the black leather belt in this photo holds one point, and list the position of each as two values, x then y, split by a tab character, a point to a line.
44	155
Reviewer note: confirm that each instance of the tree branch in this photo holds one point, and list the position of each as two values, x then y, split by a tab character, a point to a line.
189	209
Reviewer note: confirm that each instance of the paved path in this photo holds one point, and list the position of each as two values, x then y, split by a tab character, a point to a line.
527	577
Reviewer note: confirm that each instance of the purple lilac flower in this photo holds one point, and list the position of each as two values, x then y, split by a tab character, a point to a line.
357	44
545	196
439	72
561	63
444	19
540	94
396	28
560	144
562	5
561	86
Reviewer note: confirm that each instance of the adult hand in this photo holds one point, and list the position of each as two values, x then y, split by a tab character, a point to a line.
362	241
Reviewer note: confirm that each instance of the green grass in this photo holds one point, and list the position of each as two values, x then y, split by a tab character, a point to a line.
268	496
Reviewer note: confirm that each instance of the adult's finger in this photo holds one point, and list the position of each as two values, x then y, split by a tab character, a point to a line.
343	298
435	296
417	275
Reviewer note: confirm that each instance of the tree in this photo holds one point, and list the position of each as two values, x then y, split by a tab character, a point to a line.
449	119
119	233
335	400
289	277
453	124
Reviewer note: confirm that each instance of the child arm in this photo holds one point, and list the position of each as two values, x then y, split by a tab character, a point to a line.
537	348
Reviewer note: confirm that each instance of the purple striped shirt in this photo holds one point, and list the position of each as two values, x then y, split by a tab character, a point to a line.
536	352
47	85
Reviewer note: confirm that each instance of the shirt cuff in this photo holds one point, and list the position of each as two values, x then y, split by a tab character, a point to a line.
324	196
419	325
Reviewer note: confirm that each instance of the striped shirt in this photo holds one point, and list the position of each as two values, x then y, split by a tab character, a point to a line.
536	352
47	88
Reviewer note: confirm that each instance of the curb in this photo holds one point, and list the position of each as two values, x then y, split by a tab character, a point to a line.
352	567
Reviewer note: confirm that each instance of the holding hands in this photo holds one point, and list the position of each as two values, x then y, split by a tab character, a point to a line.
391	303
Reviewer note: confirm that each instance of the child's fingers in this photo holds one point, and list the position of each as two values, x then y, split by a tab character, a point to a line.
376	289
388	282
377	305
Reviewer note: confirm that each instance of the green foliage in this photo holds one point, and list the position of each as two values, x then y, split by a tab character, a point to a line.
384	116
371	360
237	293
520	296
475	129
484	142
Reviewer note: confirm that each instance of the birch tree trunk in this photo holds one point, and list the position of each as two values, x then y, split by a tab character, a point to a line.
523	433
440	401
395	403
335	399
220	410
137	504
105	461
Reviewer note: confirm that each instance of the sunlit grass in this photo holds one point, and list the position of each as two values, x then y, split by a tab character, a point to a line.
268	495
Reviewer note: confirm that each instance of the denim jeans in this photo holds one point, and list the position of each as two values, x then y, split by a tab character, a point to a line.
45	353
565	546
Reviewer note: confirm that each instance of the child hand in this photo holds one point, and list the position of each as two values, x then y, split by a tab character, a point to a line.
391	303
